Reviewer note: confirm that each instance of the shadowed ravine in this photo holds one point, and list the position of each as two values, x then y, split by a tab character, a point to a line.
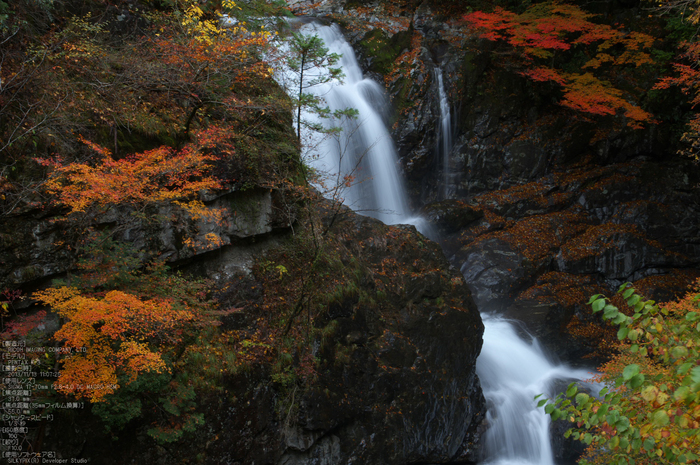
512	371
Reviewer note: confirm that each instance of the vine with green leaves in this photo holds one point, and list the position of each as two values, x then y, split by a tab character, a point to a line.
648	411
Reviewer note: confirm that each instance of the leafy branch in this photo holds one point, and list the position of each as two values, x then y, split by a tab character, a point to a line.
649	408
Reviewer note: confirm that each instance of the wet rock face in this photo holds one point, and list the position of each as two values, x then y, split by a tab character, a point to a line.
544	247
399	388
451	216
34	244
395	380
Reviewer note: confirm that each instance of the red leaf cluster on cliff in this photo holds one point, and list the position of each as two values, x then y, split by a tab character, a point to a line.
688	79
547	28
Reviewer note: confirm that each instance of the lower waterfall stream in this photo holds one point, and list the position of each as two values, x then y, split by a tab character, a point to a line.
512	370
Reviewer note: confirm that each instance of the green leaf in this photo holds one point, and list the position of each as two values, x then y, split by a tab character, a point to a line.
627	293
681	393
610	311
581	398
598	305
630	371
549	408
623	286
624	442
692	316
660	418
557	414
632	301
636	381
572	390
541	402
636	444
649	444
679	352
695	374
683	369
622	333
588	438
614	400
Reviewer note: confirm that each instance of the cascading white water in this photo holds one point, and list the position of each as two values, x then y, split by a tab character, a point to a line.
512	372
364	150
444	142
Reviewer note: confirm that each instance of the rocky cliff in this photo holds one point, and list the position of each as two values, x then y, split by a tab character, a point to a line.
389	358
544	207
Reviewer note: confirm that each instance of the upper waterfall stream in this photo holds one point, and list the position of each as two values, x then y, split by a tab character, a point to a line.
444	139
512	371
363	152
359	165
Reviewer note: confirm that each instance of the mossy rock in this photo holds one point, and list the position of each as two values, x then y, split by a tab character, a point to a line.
381	50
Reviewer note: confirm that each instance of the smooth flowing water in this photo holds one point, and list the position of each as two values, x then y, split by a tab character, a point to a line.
512	372
444	140
359	164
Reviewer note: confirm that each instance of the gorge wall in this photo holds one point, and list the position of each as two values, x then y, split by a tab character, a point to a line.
393	379
544	207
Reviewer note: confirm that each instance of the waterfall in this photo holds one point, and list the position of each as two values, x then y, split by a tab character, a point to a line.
444	139
512	372
363	151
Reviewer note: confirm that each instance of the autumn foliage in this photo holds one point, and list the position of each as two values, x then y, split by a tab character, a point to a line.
549	28
687	78
118	347
121	322
166	74
161	175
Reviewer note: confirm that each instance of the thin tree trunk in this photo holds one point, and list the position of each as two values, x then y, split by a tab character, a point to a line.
301	90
